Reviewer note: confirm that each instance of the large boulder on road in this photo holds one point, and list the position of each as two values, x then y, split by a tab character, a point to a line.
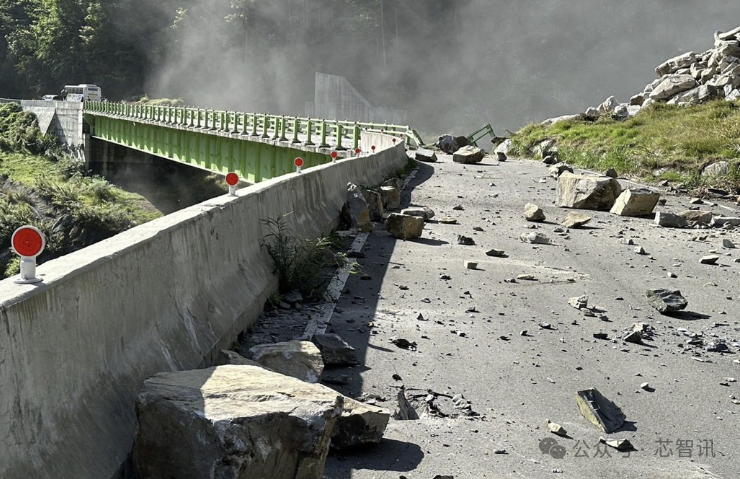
587	192
298	359
468	155
239	422
450	144
635	202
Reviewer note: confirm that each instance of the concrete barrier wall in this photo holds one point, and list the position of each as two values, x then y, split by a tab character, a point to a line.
167	295
60	118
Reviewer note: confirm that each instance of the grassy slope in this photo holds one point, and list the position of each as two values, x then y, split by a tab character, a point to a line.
680	139
43	186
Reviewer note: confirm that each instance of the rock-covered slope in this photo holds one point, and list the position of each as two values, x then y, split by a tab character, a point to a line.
689	78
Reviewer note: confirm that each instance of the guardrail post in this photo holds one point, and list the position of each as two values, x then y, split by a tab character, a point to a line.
356	136
322	130
265	125
245	120
276	133
295	131
254	124
339	133
283	128
309	131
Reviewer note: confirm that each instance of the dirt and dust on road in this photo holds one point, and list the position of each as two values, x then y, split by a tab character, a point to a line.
480	345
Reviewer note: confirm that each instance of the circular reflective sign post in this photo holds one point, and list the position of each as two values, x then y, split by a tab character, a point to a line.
28	242
357	151
298	162
232	179
334	155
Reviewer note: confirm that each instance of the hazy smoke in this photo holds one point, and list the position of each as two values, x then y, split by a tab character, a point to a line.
474	61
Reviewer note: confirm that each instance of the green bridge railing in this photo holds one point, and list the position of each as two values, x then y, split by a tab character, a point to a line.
295	130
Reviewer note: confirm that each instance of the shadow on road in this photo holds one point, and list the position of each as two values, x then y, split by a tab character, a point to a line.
357	314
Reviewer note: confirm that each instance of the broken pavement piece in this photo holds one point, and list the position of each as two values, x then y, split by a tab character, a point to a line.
471	264
711	259
600	411
448	220
666	300
496	253
405	411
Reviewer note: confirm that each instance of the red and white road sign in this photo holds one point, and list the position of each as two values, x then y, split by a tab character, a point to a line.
232	179
28	241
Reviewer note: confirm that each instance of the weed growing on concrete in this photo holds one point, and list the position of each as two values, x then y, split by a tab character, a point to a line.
300	264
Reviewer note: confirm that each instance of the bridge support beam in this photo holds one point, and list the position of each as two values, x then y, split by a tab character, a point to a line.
253	159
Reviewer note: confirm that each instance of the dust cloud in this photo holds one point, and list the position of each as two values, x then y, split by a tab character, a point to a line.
453	64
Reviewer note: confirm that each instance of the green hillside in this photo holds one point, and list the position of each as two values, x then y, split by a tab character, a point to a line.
662	142
42	185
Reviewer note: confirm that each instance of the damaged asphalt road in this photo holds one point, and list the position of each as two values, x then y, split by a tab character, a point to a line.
498	350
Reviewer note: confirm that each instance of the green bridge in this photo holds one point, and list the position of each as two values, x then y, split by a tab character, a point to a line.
255	146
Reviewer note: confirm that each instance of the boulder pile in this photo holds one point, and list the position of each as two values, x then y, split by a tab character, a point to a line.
689	78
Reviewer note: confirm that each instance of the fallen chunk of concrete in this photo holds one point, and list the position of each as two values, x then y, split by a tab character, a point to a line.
233	421
334	350
587	192
635	202
600	411
666	300
710	259
298	359
404	226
